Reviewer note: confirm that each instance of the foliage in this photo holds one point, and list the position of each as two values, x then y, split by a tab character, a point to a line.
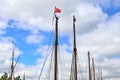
5	77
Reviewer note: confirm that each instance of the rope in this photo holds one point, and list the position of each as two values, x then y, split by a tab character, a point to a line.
47	55
80	64
43	67
61	65
50	67
71	72
16	62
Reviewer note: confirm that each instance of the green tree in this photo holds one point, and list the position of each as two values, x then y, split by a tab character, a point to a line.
17	78
5	77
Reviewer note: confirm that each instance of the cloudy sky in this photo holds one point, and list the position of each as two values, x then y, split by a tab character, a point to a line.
29	24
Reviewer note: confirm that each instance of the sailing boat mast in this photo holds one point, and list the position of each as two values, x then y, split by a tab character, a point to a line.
73	75
24	76
101	75
93	68
12	66
90	77
75	49
56	47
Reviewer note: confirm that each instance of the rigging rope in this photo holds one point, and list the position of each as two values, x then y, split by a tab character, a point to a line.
50	67
47	55
43	67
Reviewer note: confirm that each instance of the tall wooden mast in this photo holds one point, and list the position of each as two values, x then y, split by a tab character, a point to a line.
12	66
89	67
56	47
73	75
93	68
24	76
101	75
75	49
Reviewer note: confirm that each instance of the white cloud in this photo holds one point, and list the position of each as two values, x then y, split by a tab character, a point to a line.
3	25
87	15
28	11
40	13
104	39
110	66
34	39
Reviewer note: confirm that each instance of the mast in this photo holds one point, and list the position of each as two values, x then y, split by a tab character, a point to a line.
99	78
56	47
24	76
90	78
12	66
75	49
93	68
101	75
73	75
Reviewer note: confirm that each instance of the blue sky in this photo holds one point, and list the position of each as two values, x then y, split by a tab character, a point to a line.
28	24
28	55
111	9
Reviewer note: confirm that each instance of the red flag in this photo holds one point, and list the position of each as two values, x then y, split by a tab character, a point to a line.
57	10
